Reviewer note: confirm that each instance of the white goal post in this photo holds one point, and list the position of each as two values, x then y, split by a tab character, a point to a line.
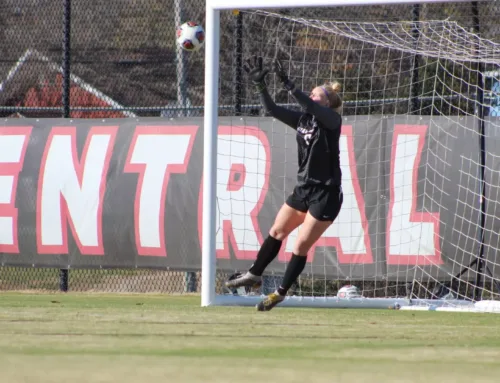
211	121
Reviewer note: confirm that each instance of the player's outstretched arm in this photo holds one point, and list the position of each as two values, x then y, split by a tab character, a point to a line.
286	116
326	115
257	74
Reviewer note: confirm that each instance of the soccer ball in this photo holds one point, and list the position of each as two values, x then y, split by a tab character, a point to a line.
190	36
349	291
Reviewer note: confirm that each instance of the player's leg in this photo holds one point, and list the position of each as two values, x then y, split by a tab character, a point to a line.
323	211
310	231
289	217
287	220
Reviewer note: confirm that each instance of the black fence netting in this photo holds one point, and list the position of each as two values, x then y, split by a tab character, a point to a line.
123	61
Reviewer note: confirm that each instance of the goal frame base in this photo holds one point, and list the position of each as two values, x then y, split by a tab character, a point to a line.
479	263
486	306
341	303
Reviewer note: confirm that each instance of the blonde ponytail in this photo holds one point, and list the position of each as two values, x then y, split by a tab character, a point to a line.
333	89
335	85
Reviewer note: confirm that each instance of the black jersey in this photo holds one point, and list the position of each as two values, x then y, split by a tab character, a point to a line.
318	135
318	152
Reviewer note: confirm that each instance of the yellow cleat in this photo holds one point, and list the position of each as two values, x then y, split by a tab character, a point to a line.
270	301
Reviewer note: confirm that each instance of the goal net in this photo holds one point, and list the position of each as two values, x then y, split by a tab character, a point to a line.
419	155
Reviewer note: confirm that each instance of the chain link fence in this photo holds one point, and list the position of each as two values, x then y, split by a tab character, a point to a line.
123	58
118	58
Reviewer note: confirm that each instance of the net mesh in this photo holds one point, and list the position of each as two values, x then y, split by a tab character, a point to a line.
415	112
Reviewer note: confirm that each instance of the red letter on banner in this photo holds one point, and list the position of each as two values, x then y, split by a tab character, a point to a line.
72	191
13	145
412	237
243	167
349	232
155	153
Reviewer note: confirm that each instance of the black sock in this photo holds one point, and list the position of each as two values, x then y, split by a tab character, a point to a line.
268	251
292	272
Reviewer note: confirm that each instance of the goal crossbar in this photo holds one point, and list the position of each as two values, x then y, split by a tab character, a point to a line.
229	4
212	44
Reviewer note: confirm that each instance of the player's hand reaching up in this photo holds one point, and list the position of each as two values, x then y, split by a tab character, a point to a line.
256	72
283	77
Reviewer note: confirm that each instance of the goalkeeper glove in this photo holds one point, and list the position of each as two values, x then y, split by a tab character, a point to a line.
282	76
256	72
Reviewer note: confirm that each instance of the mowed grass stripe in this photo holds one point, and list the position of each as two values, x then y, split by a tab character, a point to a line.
102	335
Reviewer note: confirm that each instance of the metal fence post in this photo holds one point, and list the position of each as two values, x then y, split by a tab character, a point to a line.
66	84
66	58
180	61
190	285
415	89
238	62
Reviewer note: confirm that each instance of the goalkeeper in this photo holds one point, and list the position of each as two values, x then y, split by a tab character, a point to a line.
317	198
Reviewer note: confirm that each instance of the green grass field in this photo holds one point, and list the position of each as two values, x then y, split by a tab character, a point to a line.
152	338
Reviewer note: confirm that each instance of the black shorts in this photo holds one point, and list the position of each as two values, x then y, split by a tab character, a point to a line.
322	202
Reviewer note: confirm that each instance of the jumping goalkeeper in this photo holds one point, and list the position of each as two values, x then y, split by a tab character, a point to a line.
317	198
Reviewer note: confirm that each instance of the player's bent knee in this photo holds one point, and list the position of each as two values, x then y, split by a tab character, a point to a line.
278	233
